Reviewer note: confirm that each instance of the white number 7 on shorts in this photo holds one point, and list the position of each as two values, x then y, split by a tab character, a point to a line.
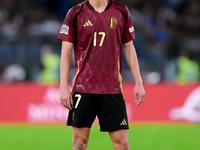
78	100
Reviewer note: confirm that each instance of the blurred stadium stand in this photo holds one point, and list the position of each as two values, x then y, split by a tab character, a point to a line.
163	29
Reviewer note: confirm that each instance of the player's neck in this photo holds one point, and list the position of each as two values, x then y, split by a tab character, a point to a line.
99	5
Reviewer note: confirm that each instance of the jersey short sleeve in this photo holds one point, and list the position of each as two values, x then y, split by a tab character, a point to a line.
67	31
129	32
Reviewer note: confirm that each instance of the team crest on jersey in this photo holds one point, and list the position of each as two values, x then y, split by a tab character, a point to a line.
113	22
64	29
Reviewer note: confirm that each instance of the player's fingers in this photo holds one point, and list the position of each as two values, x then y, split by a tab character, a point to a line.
62	101
66	103
136	97
71	100
141	98
138	103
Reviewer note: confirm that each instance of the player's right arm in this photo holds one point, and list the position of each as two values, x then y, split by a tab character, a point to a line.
65	64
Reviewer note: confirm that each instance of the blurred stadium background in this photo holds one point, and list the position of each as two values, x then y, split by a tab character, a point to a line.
168	47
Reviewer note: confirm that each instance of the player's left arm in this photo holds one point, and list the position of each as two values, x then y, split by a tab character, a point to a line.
132	61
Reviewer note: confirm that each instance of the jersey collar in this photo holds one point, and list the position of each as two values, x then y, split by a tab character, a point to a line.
92	8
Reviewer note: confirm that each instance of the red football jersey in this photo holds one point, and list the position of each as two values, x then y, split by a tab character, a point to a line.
97	39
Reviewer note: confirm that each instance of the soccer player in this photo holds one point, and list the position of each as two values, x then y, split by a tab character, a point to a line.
96	29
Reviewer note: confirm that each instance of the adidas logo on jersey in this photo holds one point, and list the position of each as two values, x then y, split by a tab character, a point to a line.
88	23
123	122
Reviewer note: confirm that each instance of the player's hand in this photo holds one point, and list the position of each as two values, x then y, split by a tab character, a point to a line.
66	98
139	94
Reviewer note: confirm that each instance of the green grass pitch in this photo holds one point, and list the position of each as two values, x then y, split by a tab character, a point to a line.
141	137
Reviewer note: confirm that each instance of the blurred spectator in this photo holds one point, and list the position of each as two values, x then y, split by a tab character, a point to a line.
188	69
174	3
51	62
183	69
48	24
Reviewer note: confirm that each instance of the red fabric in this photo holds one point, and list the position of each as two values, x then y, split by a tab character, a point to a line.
96	59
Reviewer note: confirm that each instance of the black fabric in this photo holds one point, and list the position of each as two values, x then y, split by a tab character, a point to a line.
109	108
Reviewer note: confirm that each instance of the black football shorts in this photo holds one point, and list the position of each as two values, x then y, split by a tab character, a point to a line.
109	108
